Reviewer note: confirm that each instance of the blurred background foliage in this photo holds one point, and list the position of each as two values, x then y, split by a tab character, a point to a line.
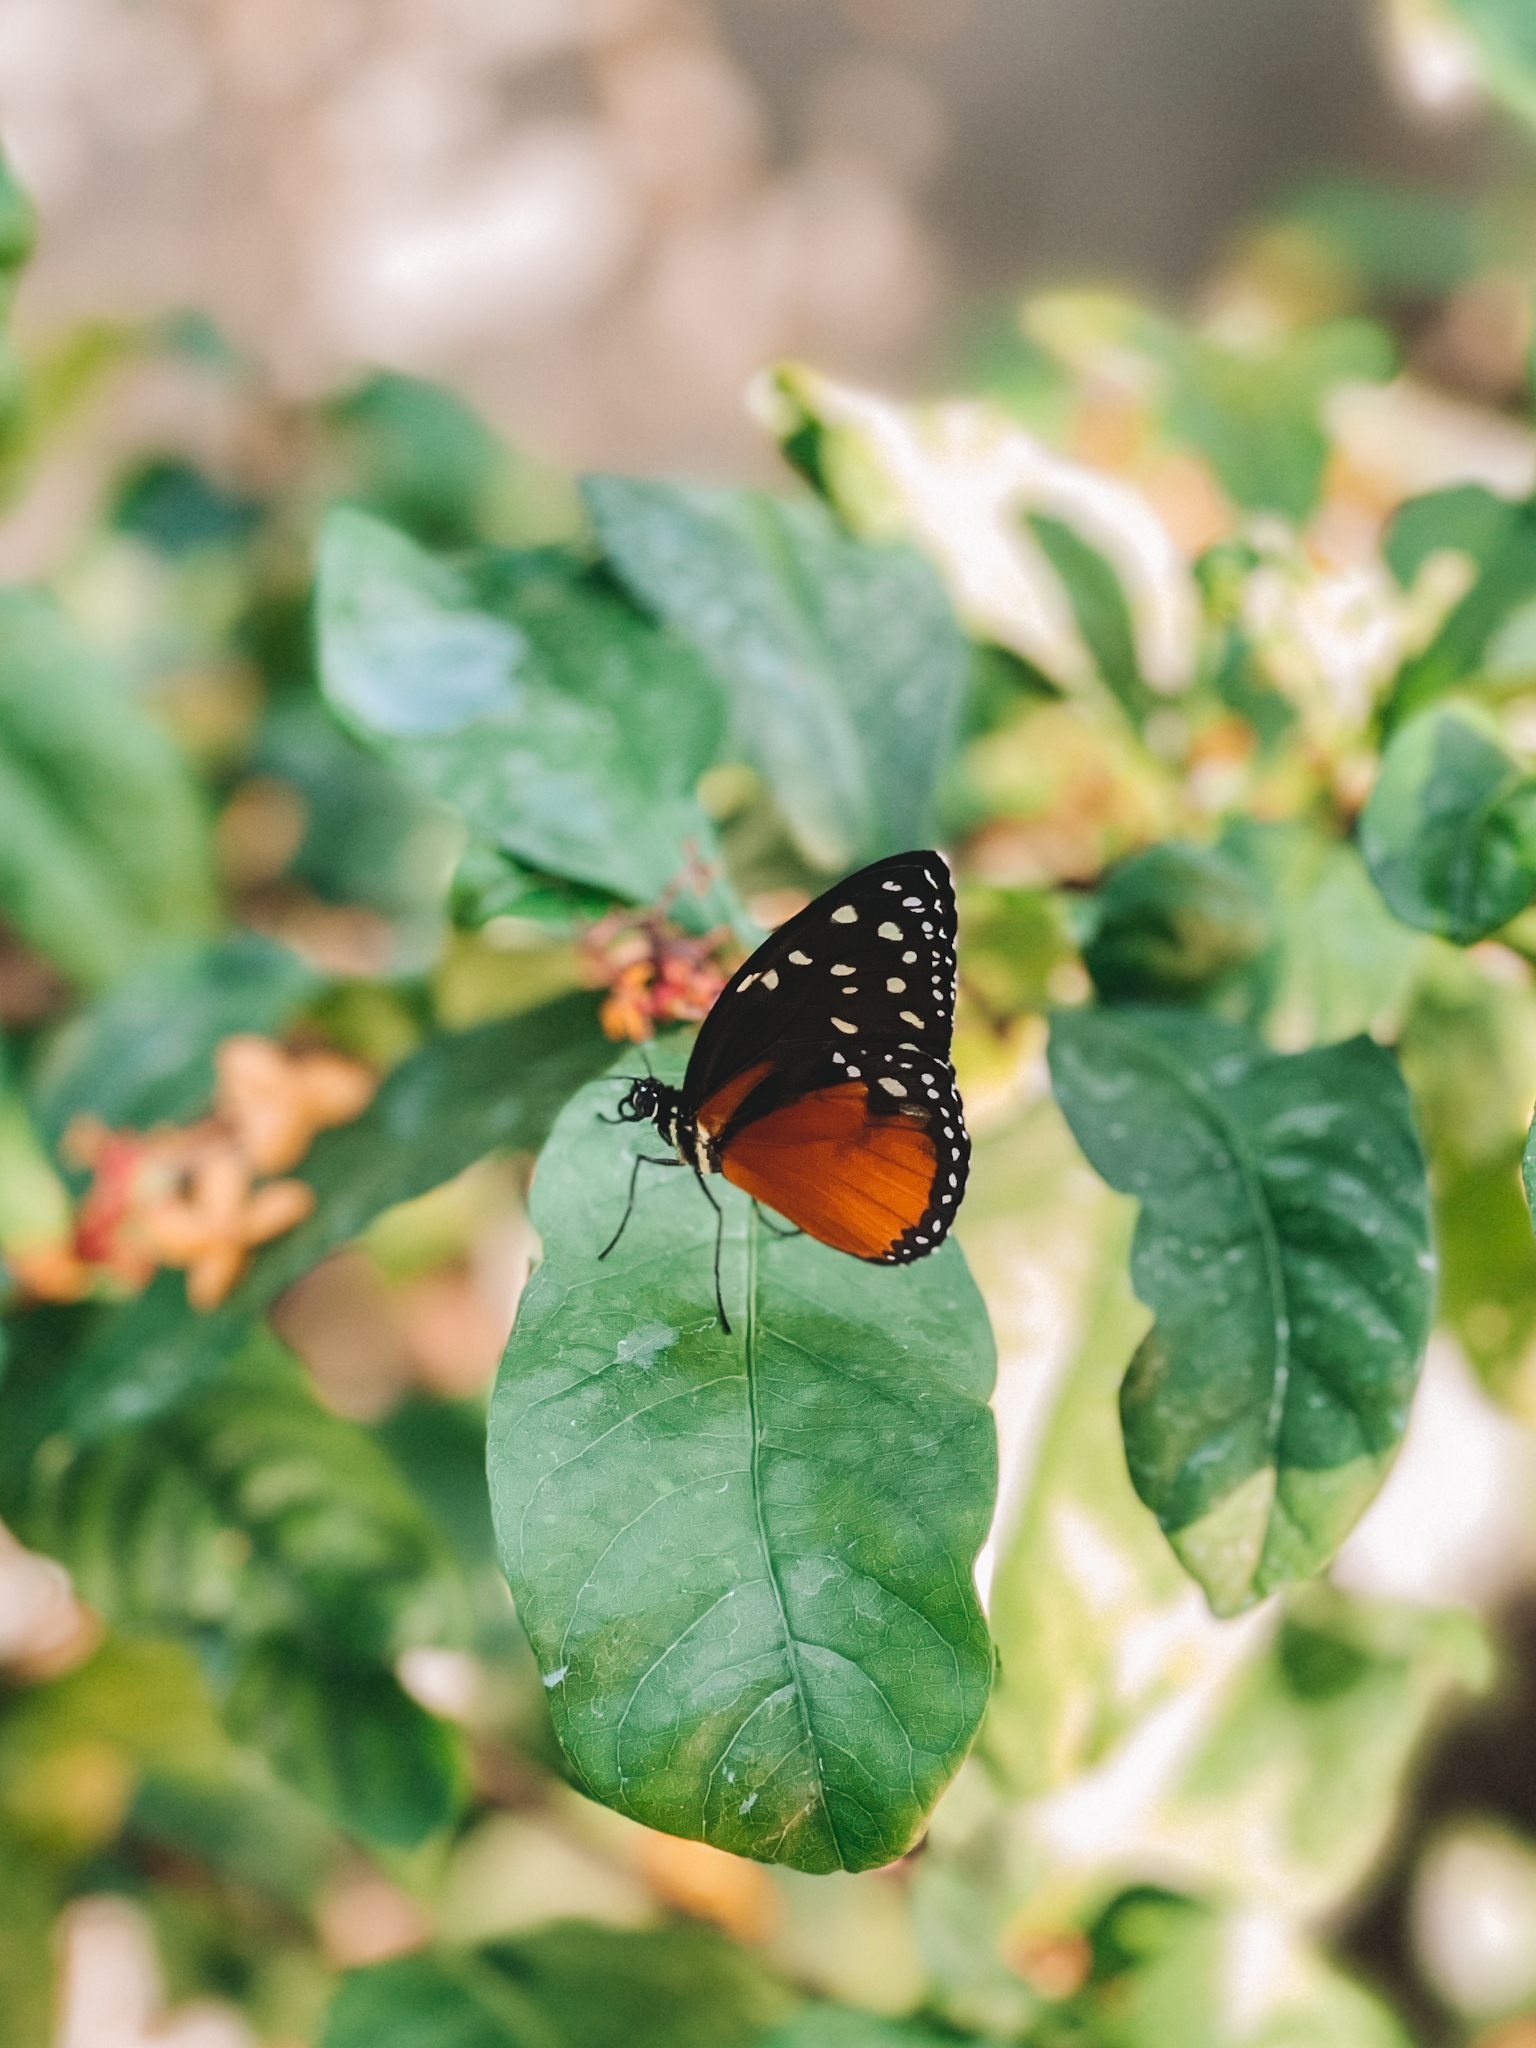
279	1732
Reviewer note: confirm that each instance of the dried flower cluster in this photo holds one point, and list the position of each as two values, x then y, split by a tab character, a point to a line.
199	1196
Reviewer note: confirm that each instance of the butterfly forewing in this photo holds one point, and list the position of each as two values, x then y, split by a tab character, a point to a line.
821	1077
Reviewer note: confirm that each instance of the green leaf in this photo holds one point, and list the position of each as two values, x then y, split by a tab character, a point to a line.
284	1544
841	659
1257	415
1500	539
340	1730
1468	1053
143	1053
103	844
1341	962
525	693
1174	925
744	1561
1449	833
422	457
251	1510
570	1985
1100	609
1283	1246
463	1095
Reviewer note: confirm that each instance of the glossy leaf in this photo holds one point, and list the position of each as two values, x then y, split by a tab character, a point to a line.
103	845
522	691
1449	833
143	1053
463	1095
744	1561
841	660
1283	1247
570	1985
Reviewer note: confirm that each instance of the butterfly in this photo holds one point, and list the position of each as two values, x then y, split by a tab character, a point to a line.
820	1081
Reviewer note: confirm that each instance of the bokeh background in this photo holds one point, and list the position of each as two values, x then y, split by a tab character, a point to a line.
593	220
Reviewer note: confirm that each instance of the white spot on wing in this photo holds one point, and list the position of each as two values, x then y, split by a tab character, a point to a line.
845	914
771	978
891	1087
801	959
839	1025
890	931
745	982
907	1017
896	987
840	967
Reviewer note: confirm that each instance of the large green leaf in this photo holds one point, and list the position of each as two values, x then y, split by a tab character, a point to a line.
463	1095
525	693
570	1985
103	844
1449	834
143	1053
744	1560
1283	1247
842	661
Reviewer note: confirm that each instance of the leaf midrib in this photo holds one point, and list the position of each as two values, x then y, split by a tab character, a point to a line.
791	1646
1233	1137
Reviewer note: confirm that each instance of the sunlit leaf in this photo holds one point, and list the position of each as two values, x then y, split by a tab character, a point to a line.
744	1561
1283	1246
842	663
1449	833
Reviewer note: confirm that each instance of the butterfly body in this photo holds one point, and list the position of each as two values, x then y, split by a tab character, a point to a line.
820	1082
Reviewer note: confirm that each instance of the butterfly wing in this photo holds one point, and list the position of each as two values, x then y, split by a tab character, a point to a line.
821	1078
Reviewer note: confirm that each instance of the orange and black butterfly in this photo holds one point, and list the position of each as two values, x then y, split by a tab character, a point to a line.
820	1081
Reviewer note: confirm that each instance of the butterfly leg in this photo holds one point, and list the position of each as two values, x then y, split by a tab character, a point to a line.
719	1238
773	1229
641	1159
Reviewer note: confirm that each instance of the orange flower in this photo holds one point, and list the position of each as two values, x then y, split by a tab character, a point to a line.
197	1196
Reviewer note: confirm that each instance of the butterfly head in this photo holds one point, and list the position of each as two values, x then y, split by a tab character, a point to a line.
651	1102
